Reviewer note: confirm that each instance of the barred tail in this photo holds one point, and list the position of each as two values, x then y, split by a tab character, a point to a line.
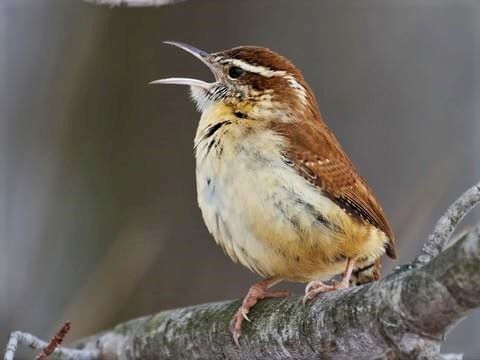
366	272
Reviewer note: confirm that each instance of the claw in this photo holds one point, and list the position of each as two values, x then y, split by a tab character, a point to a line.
257	292
235	325
313	285
308	287
304	300
236	336
314	288
244	314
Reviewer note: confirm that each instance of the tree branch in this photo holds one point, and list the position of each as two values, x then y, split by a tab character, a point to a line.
134	3
447	224
406	315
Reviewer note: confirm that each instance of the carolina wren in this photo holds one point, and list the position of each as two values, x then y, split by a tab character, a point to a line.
275	188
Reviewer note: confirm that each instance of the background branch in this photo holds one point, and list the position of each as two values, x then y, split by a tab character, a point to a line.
446	225
35	343
134	3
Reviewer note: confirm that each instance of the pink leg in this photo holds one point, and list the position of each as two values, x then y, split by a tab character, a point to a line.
257	292
316	287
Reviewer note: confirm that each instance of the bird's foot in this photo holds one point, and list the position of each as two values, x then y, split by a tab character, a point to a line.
314	288
257	292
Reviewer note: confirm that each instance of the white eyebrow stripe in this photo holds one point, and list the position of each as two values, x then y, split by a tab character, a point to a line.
256	69
293	83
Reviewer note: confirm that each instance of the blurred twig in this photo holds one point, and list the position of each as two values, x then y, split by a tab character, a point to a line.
55	341
35	343
134	3
405	315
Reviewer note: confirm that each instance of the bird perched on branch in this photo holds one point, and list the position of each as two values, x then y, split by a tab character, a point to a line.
275	188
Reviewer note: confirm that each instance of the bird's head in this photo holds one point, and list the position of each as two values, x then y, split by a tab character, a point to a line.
253	81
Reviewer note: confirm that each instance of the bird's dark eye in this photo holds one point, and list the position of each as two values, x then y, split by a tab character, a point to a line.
235	72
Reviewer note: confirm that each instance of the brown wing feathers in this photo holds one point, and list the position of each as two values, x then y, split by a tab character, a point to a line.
317	155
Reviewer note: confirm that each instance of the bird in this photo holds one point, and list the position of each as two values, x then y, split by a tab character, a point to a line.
274	186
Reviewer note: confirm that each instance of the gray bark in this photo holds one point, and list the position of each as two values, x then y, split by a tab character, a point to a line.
406	315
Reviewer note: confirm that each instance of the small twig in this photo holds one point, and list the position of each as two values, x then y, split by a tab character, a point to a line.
446	225
55	342
26	339
134	3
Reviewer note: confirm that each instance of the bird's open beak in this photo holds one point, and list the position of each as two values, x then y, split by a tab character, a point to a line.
199	54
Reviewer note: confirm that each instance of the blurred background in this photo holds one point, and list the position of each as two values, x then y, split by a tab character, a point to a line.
98	215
